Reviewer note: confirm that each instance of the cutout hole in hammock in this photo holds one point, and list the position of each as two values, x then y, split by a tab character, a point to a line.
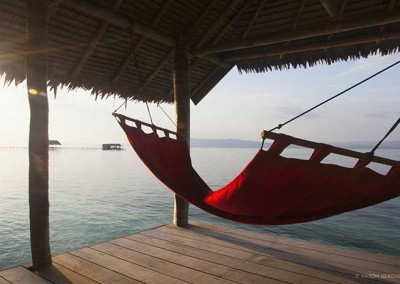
379	168
298	152
340	160
160	133
130	123
147	129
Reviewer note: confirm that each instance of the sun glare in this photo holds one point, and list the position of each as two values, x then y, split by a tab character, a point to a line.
33	92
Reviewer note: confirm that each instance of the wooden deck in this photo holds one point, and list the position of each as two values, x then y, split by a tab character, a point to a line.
205	253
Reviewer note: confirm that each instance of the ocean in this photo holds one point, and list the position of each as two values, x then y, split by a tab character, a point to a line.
100	195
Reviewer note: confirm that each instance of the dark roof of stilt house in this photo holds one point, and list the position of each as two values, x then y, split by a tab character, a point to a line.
125	47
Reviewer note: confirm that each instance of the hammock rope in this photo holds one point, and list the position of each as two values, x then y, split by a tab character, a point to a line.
279	126
335	96
170	119
148	110
386	135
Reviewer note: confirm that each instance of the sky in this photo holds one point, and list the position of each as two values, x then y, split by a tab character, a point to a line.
240	107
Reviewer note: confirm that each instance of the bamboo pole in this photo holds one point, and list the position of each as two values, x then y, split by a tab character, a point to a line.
120	21
93	44
330	7
181	78
125	23
139	43
36	74
365	21
254	53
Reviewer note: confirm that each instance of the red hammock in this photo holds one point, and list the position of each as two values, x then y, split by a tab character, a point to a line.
271	190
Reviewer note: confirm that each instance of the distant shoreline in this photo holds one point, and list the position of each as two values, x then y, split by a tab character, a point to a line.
238	143
230	143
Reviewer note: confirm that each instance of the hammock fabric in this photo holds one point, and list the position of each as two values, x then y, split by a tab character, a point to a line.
271	190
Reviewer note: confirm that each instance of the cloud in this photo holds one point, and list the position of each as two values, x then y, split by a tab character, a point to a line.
370	66
381	114
289	112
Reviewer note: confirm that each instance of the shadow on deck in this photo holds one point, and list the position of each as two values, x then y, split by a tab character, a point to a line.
205	253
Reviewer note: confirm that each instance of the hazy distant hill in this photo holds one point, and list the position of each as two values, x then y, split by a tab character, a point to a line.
369	145
237	143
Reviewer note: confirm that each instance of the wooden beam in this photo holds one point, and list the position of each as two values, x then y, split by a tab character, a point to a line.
253	19
139	43
298	15
120	21
295	23
202	16
93	43
215	24
314	31
195	97
334	150
196	23
181	78
36	75
330	7
342	7
253	54
221	33
52	8
211	58
154	73
389	8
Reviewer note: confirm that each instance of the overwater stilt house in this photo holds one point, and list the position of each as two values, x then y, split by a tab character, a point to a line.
171	51
112	146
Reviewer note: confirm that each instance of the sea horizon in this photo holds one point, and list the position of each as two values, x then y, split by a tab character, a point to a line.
228	143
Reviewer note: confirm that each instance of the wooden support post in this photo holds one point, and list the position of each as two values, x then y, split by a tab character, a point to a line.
36	74
181	79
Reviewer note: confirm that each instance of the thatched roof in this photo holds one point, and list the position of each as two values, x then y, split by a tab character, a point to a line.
125	47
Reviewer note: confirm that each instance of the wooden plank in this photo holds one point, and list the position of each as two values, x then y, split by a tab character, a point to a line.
91	270
189	261
136	271
266	246
21	275
351	270
61	275
3	281
278	269
171	256
159	266
256	254
237	276
384	259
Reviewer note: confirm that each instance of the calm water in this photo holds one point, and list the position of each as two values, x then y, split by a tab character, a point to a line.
99	195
